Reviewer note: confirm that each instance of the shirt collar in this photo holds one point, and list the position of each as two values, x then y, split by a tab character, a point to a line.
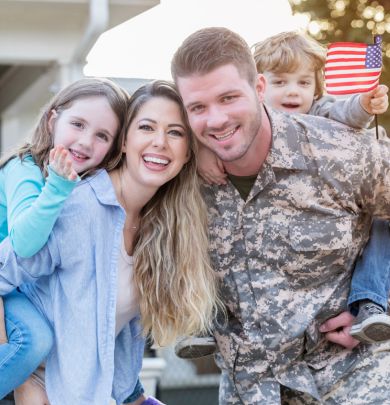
101	184
286	148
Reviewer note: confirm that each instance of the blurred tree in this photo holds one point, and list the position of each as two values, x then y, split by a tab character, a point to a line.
350	20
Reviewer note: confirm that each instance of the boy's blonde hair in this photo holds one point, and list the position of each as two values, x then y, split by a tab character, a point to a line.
287	51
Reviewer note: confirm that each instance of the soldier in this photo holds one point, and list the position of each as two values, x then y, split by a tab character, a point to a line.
285	232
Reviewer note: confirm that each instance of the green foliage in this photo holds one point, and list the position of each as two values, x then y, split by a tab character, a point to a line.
350	20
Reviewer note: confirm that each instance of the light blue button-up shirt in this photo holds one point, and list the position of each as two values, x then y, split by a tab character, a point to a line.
73	281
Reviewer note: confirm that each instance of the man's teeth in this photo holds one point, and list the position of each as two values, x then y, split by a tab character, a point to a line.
222	137
156	160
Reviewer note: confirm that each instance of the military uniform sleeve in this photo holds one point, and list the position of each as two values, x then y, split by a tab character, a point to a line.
15	270
33	205
348	111
375	177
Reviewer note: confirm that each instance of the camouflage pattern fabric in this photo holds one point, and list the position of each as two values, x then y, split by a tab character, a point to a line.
285	258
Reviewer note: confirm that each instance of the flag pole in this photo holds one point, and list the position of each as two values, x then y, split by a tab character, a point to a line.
377	40
376	127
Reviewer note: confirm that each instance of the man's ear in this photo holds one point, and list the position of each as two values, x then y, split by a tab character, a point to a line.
52	119
260	87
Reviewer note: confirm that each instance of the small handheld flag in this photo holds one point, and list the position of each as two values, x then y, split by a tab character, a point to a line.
352	67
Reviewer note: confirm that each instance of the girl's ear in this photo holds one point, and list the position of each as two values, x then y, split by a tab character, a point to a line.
124	142
52	119
124	146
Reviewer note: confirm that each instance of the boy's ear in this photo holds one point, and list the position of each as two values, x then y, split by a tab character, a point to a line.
52	119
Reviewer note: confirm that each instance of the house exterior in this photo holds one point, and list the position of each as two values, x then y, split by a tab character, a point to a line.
43	45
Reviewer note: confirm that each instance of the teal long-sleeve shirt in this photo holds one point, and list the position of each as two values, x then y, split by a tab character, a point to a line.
30	204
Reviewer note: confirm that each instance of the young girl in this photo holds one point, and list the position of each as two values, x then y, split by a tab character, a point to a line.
292	64
76	133
130	240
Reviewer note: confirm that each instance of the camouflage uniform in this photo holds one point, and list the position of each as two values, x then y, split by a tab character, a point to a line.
285	257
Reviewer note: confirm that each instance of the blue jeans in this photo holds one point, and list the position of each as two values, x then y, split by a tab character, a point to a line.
137	392
30	339
371	277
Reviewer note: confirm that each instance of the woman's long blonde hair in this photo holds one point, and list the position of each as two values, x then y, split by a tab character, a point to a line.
177	286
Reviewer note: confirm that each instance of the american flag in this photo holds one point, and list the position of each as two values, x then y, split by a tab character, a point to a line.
352	67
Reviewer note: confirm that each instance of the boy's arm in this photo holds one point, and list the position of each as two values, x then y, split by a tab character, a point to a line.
375	101
33	206
15	270
351	111
210	167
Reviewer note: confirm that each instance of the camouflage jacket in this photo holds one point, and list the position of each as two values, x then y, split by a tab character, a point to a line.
286	254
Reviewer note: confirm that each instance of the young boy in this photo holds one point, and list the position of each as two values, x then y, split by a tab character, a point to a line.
292	65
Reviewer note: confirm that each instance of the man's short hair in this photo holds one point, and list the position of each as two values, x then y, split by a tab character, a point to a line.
211	48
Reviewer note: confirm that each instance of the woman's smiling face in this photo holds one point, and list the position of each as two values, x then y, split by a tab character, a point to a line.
157	144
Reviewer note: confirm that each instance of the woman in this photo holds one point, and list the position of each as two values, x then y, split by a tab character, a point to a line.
131	239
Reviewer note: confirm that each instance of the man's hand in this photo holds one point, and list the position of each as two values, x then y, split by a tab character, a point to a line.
337	330
61	163
375	101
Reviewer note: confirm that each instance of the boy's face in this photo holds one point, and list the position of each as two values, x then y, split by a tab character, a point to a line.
290	92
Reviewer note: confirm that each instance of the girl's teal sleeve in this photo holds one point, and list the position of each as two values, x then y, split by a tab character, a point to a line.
15	271
33	205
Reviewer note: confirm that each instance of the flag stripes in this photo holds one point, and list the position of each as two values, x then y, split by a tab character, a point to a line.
353	67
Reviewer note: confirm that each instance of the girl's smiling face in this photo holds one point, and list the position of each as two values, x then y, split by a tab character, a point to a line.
87	129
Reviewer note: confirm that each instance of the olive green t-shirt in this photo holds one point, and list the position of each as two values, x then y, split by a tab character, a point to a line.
243	184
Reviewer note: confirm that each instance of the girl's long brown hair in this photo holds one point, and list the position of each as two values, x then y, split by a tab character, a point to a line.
42	140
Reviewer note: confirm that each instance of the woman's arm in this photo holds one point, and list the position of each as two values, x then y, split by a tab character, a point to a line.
33	206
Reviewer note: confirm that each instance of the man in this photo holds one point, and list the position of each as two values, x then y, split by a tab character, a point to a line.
285	233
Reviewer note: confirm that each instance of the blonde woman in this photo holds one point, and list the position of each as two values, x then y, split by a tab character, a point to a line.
128	253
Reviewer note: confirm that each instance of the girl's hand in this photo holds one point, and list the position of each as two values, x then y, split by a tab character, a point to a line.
210	167
61	163
375	101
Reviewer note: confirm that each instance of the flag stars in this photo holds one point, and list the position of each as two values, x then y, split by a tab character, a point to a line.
374	56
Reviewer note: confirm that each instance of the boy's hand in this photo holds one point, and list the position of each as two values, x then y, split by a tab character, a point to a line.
210	167
60	162
337	330
375	101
